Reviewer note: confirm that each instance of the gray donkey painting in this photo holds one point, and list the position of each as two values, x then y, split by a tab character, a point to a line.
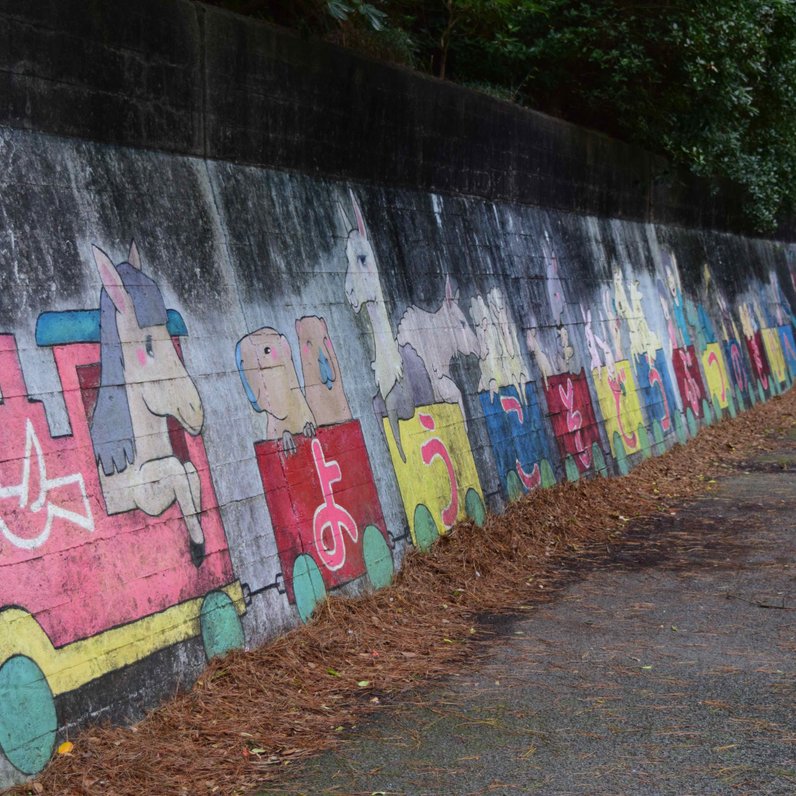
143	382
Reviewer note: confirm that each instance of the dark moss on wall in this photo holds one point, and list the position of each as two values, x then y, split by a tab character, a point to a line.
179	76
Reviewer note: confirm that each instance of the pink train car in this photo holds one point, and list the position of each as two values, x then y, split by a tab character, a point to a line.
84	593
326	512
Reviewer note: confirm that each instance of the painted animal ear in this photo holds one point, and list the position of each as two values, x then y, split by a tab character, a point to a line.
112	282
134	258
358	215
344	219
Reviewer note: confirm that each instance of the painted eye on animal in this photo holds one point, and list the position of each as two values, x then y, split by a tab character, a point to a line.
267	350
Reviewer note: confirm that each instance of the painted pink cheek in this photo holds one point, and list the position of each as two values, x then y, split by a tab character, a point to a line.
142	357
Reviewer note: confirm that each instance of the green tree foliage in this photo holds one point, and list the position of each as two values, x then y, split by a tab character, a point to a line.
710	83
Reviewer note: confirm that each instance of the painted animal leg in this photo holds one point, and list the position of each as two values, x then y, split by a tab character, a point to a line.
451	394
400	405
164	481
392	416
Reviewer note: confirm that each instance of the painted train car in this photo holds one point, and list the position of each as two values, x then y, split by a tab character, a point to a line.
99	567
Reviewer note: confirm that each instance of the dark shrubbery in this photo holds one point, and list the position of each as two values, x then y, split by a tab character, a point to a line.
711	84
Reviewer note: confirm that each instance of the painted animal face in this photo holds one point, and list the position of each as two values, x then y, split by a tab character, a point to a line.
318	361
636	300
663	297
759	315
591	343
671	281
620	297
267	370
555	292
482	322
453	319
362	284
776	297
151	362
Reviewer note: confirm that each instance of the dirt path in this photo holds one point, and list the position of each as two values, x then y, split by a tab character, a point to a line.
665	667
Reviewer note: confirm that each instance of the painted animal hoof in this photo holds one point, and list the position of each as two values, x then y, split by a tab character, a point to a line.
197	553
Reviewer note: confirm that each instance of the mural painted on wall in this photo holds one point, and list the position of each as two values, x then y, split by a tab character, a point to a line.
514	419
713	352
736	373
564	382
570	417
111	537
314	466
89	518
767	322
655	390
420	402
782	317
614	378
680	347
760	368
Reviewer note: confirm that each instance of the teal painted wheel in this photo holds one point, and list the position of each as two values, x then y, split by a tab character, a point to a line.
220	625
620	455
28	721
514	488
717	412
548	476
741	404
691	421
474	507
571	469
761	393
598	458
679	428
377	556
426	531
707	414
308	586
657	435
644	441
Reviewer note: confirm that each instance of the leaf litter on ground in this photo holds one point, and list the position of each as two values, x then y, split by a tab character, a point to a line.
253	713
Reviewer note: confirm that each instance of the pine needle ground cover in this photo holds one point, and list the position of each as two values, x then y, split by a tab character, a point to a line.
252	716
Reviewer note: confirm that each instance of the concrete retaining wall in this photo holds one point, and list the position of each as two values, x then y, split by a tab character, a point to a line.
230	388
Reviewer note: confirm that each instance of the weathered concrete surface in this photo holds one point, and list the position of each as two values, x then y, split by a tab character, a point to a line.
668	668
192	79
529	301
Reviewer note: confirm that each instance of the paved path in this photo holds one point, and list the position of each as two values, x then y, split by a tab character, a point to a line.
668	668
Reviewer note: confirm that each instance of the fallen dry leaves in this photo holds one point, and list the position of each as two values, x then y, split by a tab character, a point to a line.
251	713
